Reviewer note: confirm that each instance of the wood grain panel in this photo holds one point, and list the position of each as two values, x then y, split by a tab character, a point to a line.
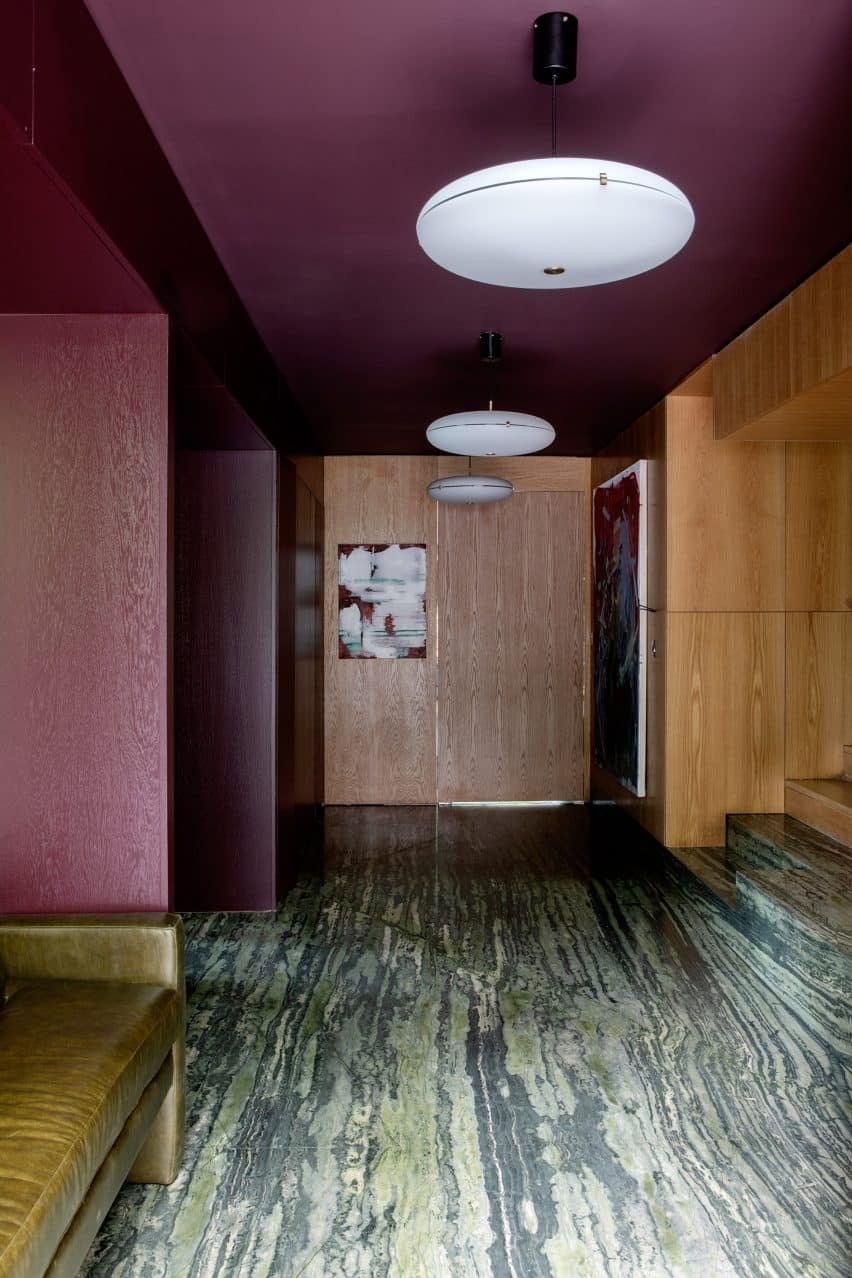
819	527
379	715
725	543
725	721
225	684
512	642
752	374
821	326
824	804
699	381
527	474
83	620
822	413
819	692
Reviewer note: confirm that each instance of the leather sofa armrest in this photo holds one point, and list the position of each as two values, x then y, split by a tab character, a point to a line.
141	949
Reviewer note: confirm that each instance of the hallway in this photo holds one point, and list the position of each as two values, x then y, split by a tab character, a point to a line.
491	1048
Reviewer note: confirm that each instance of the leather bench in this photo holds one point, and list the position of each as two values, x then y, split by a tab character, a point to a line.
91	1076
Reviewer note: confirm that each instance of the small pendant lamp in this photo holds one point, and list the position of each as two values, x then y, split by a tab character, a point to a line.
490	432
470	490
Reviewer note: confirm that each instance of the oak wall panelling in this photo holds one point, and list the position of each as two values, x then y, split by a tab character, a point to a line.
819	692
725	721
752	373
513	636
84	626
821	325
789	376
819	527
379	714
225	680
527	474
725	516
550	474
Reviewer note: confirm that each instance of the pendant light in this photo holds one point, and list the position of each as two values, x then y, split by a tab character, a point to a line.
555	222
490	432
470	490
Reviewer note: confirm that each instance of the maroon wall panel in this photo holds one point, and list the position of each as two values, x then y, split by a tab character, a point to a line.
286	664
224	678
83	623
53	258
308	787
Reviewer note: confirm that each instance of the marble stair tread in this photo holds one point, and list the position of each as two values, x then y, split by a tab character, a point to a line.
802	870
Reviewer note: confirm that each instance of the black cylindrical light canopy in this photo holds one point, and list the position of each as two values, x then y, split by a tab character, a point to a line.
490	347
555	48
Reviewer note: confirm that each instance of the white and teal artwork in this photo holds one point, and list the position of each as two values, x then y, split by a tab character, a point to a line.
382	600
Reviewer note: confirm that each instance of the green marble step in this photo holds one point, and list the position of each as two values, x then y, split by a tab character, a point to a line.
804	872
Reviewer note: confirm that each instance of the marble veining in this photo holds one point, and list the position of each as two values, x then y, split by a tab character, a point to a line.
500	1044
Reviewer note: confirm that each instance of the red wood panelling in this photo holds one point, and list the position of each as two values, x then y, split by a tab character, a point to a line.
225	624
83	622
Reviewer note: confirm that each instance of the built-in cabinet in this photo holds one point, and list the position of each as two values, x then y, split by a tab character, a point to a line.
750	569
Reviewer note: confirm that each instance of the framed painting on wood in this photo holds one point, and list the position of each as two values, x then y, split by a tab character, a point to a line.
619	514
382	601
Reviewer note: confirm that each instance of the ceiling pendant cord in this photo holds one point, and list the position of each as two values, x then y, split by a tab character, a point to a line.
553	116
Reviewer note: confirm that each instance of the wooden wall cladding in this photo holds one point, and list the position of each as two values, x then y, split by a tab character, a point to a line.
725	543
819	527
527	474
819	692
789	376
512	649
379	714
225	686
725	721
751	375
83	623
821	326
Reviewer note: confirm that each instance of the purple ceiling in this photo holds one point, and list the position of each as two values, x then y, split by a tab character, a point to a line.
307	137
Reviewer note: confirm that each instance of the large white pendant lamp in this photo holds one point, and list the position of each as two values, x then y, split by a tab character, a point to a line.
555	222
470	490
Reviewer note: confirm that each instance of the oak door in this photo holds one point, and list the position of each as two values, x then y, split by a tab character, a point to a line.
510	641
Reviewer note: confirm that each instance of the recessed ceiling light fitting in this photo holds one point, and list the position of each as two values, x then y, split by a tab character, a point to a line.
555	222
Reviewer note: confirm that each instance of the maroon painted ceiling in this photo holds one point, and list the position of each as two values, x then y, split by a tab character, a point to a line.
307	137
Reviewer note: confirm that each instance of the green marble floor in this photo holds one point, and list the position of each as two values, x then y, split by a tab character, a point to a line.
500	1042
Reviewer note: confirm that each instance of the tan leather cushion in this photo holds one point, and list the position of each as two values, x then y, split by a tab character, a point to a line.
75	1056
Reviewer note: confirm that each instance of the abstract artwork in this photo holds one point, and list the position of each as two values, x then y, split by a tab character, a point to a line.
620	562
382	601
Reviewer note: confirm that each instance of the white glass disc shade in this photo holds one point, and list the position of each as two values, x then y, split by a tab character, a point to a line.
509	225
490	433
470	490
